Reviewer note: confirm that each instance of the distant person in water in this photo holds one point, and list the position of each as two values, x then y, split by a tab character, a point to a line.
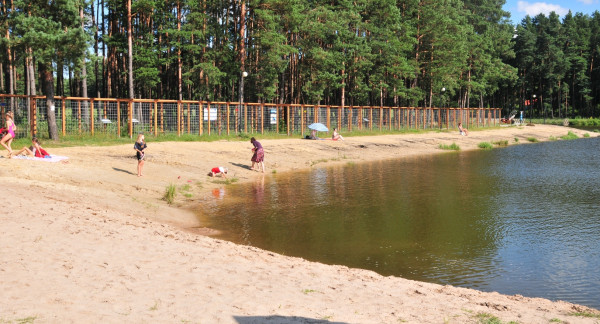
336	136
258	156
218	171
463	131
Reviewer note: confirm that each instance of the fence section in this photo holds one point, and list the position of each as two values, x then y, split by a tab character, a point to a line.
124	117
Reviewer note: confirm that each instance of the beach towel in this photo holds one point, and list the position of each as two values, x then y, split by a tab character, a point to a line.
49	158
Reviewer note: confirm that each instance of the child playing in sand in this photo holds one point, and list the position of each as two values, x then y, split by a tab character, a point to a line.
35	149
463	131
218	171
139	147
8	138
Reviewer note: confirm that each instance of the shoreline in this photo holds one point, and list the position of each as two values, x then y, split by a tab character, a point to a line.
90	241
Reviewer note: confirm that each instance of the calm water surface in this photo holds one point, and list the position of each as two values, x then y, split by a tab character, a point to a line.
519	220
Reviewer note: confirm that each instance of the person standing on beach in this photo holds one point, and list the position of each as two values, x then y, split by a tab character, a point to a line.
259	155
139	147
8	138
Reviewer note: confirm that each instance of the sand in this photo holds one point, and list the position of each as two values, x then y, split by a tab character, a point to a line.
90	242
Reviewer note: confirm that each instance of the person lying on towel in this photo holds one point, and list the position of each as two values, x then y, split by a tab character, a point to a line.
35	150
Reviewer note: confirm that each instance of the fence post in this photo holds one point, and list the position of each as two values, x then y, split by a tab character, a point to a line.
92	116
302	120
329	117
288	120
130	118
118	118
33	117
155	117
227	105
63	118
207	115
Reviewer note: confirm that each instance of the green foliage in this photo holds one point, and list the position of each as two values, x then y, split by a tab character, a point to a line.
586	314
227	181
516	140
532	139
452	146
570	136
169	195
586	135
485	145
501	143
372	53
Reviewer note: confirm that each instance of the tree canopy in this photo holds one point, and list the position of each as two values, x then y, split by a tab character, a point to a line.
452	53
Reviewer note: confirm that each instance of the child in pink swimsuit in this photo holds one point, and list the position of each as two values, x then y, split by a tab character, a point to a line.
8	138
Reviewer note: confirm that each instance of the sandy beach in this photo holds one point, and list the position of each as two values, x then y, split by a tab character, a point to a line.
87	241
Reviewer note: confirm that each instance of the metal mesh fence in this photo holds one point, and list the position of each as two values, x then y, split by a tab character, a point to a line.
122	117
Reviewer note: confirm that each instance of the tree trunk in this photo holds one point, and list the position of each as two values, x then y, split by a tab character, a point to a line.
49	90
130	51
95	26
179	81
84	91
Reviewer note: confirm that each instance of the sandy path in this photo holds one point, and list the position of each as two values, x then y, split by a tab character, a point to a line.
89	241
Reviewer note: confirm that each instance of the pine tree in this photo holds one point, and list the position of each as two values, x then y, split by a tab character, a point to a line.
53	31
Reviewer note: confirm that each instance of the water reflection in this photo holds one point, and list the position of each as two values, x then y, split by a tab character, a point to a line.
524	219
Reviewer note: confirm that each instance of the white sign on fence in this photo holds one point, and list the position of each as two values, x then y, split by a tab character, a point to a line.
273	117
213	114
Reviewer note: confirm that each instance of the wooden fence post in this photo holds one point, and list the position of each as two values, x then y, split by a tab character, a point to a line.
92	116
130	118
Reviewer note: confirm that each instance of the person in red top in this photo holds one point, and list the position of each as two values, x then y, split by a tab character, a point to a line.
35	149
218	170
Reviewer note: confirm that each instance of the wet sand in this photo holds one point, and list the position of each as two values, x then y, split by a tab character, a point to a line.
89	241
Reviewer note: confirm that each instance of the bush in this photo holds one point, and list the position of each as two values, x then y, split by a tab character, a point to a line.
452	147
485	145
169	195
570	136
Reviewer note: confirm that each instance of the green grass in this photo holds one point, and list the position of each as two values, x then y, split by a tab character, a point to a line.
586	314
185	187
109	137
25	320
516	140
532	139
274	171
227	181
169	195
552	138
570	136
488	318
453	147
485	145
501	143
586	135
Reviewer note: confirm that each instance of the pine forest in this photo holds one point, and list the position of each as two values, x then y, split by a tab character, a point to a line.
418	53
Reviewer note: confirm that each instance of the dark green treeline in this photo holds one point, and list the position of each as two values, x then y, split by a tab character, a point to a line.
337	52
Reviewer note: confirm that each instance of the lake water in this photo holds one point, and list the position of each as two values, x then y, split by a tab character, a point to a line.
518	220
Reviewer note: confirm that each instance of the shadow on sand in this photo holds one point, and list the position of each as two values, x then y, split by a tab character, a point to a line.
125	171
275	319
